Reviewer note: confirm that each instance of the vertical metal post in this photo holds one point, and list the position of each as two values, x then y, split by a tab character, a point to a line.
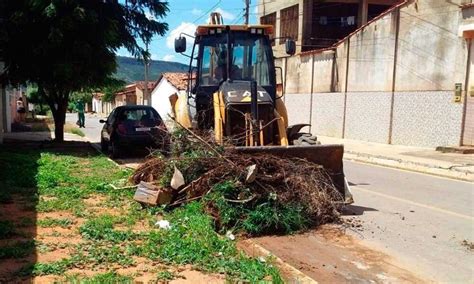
247	7
394	75
466	87
145	90
346	88
311	98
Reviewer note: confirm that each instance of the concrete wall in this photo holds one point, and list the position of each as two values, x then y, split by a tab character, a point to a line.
160	98
431	54
415	76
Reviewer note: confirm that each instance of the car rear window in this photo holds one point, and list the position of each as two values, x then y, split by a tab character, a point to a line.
139	115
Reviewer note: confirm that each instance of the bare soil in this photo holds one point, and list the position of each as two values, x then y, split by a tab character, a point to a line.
328	255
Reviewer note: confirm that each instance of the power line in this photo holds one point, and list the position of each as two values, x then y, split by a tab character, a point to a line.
208	11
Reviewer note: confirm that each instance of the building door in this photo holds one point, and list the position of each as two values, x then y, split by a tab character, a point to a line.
468	133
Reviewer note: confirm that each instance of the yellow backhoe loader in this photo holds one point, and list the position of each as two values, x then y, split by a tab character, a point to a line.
232	90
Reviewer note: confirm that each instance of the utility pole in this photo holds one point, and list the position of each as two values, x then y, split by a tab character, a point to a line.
247	6
145	90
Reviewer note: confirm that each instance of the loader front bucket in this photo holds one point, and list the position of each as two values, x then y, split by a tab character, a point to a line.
328	156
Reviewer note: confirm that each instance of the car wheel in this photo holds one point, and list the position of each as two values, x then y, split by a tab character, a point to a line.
104	146
115	150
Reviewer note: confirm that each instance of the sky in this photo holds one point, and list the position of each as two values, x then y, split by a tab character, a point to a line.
185	15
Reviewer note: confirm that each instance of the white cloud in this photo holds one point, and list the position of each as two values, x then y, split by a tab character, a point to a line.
225	15
188	28
196	12
154	57
169	57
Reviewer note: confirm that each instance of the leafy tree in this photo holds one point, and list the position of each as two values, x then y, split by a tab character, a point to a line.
69	45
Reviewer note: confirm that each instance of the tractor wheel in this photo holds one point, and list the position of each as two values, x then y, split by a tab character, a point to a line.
305	139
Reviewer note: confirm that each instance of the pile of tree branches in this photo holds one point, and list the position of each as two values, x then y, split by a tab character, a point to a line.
254	194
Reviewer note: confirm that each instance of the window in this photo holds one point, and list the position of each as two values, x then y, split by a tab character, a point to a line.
289	23
269	19
250	58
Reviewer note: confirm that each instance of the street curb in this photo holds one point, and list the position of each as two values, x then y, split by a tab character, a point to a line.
452	173
297	276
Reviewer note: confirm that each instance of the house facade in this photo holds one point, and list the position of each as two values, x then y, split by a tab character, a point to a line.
133	94
403	77
167	85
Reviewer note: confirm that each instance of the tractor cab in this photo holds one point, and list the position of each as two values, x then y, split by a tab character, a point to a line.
231	57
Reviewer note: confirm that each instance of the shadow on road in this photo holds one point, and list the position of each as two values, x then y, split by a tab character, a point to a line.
351	210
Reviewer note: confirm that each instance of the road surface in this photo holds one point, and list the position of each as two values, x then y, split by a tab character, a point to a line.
405	220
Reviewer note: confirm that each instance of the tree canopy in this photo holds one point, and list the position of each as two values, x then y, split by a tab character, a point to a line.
69	45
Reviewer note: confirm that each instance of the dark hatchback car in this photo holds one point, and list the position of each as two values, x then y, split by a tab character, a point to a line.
132	127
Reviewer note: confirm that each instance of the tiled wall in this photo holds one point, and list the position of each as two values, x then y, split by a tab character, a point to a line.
427	119
368	116
328	113
298	107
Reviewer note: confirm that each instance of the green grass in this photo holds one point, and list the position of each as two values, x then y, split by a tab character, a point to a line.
102	228
38	269
77	131
192	240
165	276
261	216
7	229
50	222
104	278
64	181
17	250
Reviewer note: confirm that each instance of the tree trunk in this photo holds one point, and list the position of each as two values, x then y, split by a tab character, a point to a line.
59	115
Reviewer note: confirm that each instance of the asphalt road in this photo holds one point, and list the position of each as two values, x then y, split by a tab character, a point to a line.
93	126
420	220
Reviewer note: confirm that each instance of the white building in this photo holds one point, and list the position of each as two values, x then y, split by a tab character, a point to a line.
167	85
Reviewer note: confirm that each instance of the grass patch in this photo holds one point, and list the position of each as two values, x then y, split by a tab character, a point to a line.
7	229
257	217
109	277
165	276
17	250
51	222
102	228
192	240
77	131
38	269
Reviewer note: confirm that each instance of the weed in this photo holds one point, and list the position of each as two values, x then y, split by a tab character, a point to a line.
109	277
25	222
102	228
165	275
192	240
103	253
77	131
258	217
60	204
7	229
17	250
38	269
50	222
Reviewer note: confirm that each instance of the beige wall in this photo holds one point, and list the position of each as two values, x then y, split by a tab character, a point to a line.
403	83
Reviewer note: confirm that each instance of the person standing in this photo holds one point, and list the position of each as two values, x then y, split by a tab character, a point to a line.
80	112
20	109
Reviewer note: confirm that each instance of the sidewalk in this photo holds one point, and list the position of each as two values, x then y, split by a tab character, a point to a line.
39	136
424	160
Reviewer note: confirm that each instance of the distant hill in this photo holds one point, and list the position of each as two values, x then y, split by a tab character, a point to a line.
131	70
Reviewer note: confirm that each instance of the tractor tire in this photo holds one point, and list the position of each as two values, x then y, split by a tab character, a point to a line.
306	139
104	146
